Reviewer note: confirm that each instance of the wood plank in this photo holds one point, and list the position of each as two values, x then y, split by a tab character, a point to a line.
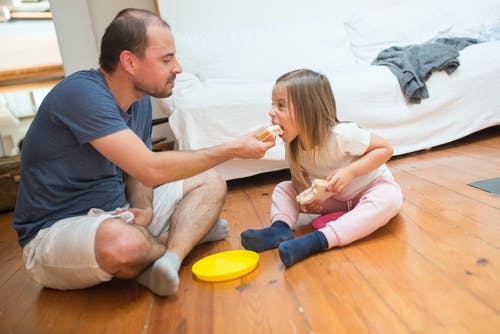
464	258
453	172
422	295
322	306
433	268
256	297
10	251
19	15
335	295
471	216
253	295
484	325
31	74
17	297
119	306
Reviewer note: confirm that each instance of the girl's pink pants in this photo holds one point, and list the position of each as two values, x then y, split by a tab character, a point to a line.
370	209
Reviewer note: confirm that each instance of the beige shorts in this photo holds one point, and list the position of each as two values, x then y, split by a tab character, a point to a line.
63	257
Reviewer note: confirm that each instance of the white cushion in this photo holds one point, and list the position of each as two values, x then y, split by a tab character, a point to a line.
374	30
265	52
473	18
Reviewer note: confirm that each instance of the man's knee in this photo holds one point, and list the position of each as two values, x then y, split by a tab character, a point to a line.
118	245
216	182
210	180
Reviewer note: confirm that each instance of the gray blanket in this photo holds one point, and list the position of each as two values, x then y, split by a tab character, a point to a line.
413	65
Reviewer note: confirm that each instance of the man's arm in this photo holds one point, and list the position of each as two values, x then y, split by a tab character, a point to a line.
138	195
140	198
126	150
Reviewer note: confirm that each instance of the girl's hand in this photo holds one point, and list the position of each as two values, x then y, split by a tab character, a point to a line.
314	207
339	180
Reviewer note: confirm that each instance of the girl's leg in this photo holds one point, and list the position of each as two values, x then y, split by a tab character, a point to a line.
373	208
292	251
380	202
284	214
284	205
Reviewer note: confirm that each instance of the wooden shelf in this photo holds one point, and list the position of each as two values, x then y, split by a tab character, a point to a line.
31	15
31	75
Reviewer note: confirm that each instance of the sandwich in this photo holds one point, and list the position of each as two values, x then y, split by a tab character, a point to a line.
270	133
315	192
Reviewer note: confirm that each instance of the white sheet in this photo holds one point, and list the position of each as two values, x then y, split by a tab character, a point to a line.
459	104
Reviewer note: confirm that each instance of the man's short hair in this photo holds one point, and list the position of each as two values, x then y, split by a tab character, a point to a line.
127	31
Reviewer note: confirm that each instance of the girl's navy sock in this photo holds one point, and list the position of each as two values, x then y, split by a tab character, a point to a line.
293	251
266	238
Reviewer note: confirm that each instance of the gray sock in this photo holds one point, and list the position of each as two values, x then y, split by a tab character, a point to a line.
162	277
219	231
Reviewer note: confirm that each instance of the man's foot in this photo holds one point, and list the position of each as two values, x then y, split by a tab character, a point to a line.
162	276
266	238
219	231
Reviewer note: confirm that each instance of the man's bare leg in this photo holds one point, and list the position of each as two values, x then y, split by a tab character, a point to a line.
193	218
123	249
219	231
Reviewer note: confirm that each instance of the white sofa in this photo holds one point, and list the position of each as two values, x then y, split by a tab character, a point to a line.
232	51
230	67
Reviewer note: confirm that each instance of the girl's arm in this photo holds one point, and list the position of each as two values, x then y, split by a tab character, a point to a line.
379	151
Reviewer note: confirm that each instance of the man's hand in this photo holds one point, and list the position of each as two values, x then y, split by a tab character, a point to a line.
142	217
249	147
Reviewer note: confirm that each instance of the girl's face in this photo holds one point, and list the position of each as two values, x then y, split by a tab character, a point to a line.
282	114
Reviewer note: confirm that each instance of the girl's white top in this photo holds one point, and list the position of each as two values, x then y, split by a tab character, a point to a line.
347	143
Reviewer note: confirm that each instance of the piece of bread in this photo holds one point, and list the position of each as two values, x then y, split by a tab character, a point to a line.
270	133
315	192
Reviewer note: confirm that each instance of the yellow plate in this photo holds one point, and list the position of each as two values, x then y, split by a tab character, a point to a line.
224	266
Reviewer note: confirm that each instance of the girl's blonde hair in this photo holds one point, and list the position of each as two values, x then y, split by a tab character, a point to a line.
313	102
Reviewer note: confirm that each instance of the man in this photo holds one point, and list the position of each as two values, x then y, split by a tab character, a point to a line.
86	209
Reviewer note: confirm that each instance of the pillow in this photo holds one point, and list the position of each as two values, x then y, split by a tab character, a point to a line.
473	18
372	31
186	82
265	52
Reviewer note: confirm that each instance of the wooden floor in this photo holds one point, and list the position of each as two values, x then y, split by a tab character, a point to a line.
435	268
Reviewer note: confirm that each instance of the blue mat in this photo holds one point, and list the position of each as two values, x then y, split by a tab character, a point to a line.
489	185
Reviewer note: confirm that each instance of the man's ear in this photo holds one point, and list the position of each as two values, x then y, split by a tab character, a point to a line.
128	61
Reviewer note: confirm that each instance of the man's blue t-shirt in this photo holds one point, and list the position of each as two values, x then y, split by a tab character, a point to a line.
62	175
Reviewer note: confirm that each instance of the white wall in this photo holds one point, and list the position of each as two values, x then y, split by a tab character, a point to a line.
80	25
215	15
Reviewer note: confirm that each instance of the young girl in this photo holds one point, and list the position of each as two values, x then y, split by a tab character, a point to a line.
350	158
